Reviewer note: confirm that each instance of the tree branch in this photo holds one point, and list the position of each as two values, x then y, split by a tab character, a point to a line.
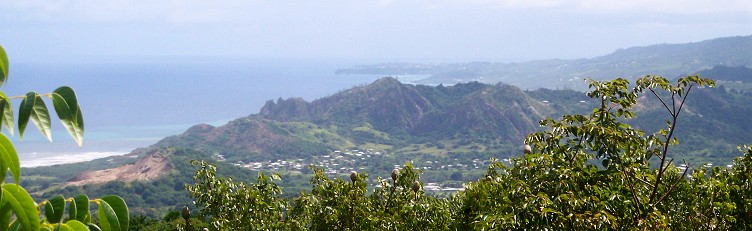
661	99
673	186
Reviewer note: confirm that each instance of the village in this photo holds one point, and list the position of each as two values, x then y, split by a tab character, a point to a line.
342	162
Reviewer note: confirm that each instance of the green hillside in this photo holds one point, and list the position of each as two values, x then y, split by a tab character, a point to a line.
449	132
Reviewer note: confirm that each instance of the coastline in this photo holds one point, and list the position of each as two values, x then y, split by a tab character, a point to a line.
36	159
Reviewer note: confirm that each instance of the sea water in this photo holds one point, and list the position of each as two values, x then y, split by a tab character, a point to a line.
131	102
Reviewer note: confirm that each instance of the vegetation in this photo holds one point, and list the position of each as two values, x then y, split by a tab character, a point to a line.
18	211
712	124
585	171
423	122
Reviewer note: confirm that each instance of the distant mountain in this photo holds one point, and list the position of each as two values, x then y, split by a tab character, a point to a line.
668	60
727	73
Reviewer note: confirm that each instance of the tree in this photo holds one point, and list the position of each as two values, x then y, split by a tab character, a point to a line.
17	209
583	172
559	186
456	176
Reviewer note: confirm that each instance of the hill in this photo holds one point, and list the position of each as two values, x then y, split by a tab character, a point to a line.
668	60
444	130
738	79
385	115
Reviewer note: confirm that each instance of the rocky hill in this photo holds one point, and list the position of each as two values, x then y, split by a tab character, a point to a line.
386	113
465	118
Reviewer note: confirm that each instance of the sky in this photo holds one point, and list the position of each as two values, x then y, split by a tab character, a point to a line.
326	31
365	30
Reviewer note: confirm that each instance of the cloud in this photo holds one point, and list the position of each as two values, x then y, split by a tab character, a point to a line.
188	11
668	6
598	6
126	11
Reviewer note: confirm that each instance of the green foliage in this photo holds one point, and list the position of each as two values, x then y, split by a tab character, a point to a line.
18	211
332	204
232	204
67	109
559	187
584	172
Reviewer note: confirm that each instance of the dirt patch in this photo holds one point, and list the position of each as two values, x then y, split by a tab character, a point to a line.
148	168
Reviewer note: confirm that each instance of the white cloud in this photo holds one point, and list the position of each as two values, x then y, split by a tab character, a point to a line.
597	6
127	11
668	6
186	11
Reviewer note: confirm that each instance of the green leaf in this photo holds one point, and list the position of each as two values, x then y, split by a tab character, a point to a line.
22	205
108	219
67	109
72	210
15	226
4	65
24	112
6	113
33	107
73	225
120	208
93	227
82	209
9	159
76	225
5	213
54	209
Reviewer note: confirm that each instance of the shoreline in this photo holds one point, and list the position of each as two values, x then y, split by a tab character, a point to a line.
35	159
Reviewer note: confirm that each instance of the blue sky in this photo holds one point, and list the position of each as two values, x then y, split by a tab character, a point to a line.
369	30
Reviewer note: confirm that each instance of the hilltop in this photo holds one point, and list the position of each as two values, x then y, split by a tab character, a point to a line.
385	115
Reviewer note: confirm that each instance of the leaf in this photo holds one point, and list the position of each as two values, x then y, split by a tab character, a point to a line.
9	159
67	109
24	112
93	227
22	205
4	65
108	219
76	225
82	209
120	208
5	213
6	113
54	209
33	107
15	226
72	210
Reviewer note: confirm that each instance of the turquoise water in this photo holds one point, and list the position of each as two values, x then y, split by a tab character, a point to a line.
133	103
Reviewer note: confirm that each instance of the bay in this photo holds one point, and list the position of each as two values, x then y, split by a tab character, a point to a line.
131	102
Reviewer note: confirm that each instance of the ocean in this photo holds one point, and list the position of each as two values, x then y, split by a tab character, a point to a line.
131	102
